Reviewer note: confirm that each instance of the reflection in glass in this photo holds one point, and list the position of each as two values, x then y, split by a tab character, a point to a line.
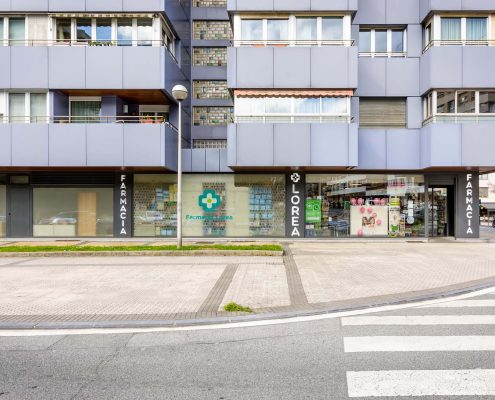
252	29
446	102
278	29
249	106
1	28
476	28
332	28
310	105
380	41
38	107
85	111
83	29
334	105
63	29
451	28
17	31
306	29
17	107
3	210
276	105
124	31
466	102
69	212
145	31
365	41
487	102
104	29
398	41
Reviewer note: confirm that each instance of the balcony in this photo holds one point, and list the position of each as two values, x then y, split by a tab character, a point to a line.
292	67
292	5
89	144
76	65
457	66
292	145
83	5
427	6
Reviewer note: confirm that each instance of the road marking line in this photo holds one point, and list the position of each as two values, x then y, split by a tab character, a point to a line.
462	303
420	320
418	343
477	382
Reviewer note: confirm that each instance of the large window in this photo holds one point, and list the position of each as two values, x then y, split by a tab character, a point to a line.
459	106
292	109
85	110
365	205
382	112
17	31
382	42
72	212
293	30
453	30
24	107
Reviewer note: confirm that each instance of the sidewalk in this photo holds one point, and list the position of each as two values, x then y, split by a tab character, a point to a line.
312	277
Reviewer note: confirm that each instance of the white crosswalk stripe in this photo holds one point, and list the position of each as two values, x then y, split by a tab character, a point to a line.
430	382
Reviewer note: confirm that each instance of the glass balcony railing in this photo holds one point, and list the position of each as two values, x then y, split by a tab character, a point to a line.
435	43
459	118
85	119
293	119
291	43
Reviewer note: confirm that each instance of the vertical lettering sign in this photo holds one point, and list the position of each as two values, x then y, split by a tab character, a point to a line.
294	207
467	211
469	204
123	206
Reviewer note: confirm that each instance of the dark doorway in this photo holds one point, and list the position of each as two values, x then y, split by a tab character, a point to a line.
19	212
441	211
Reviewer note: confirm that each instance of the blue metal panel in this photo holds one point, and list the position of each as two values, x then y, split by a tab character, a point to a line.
104	67
212	73
292	145
224	167
143	5
478	145
402	12
292	67
5	67
64	5
372	77
403	147
372	149
29	67
250	5
255	145
209	13
29	145
105	145
67	67
198	160
329	145
143	145
171	143
477	67
143	67
353	145
331	67
186	160
212	160
209	132
5	6
414	112
414	40
292	5
255	67
29	5
441	67
371	12
444	144
335	5
107	5
232	144
5	145
67	145
397	71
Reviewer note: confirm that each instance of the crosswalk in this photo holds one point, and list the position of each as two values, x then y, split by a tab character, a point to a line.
441	350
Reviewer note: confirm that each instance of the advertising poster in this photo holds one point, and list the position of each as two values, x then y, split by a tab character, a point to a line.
369	220
313	210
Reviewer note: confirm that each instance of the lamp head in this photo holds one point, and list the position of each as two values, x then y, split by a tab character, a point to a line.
179	92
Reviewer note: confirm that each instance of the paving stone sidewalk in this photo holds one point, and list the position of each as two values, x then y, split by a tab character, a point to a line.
311	277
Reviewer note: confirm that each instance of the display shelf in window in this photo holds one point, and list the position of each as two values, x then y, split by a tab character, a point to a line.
260	210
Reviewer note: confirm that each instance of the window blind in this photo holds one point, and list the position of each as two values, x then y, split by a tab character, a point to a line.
382	112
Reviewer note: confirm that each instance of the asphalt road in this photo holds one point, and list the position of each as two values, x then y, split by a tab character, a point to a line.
446	351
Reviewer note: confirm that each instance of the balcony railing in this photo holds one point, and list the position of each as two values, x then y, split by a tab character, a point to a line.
291	43
459	118
459	43
293	119
133	119
386	54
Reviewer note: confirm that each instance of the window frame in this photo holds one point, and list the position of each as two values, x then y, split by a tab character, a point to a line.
389	53
6	41
27	106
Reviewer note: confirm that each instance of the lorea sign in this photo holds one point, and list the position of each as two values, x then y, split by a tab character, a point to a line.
295	187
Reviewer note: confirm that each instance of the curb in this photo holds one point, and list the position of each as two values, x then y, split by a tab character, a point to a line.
312	310
149	253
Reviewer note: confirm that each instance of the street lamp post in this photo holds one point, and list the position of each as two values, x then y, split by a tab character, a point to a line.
180	94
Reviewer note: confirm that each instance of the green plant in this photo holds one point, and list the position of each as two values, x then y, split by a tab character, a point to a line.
234	307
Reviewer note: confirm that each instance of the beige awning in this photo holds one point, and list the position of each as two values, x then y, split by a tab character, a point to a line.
292	93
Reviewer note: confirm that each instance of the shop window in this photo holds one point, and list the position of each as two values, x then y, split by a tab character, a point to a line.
3	209
365	205
382	112
155	205
73	212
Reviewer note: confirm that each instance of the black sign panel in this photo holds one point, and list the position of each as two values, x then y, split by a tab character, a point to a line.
295	188
468	210
122	209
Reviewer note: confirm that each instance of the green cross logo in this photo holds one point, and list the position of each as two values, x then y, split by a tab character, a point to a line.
209	200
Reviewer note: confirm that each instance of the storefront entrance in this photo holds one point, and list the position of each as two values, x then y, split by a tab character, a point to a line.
441	211
19	212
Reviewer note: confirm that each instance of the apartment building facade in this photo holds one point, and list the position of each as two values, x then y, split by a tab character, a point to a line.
307	118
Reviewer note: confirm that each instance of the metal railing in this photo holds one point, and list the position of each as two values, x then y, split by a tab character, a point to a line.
459	43
132	119
290	43
459	118
384	54
293	119
90	43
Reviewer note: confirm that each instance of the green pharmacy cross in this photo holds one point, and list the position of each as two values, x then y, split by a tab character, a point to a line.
209	200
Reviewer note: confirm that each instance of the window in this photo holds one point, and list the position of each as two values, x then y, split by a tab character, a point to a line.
483	192
144	31
466	102
84	29
332	28
124	31
85	110
446	102
487	102
382	42
451	28
252	29
277	29
24	107
456	30
17	107
104	30
427	35
476	28
292	109
382	112
38	108
306	29
63	30
17	31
